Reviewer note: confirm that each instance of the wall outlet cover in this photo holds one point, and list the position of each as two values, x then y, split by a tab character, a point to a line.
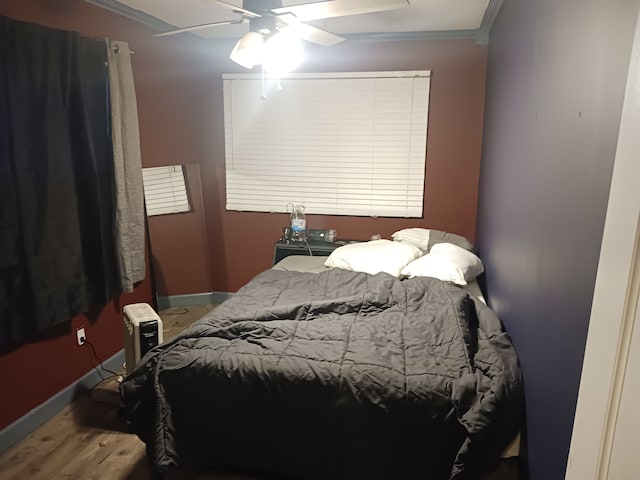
81	336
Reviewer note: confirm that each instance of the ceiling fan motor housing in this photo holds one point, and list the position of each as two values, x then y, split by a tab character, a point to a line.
266	24
260	6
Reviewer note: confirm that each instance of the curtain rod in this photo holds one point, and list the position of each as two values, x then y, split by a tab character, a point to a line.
116	49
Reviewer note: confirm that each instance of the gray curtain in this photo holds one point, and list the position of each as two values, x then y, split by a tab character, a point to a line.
129	195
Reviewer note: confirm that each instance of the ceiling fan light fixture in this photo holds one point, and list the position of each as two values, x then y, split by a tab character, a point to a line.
283	52
248	51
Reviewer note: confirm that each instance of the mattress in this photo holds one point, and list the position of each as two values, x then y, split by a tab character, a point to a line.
315	264
302	263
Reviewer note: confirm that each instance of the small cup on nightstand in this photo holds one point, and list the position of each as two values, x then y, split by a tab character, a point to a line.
286	235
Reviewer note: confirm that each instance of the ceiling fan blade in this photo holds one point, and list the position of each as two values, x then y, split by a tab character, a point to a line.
313	34
233	8
339	8
199	27
304	31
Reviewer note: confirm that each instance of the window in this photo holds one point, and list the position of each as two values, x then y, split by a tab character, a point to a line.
165	190
340	143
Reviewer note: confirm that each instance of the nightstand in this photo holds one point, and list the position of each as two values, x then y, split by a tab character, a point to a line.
283	249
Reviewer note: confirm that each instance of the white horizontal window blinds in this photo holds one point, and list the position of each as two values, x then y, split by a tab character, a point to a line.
342	144
165	190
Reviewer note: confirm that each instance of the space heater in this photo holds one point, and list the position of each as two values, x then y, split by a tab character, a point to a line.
142	332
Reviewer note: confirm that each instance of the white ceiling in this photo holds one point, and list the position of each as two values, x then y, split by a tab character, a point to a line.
443	17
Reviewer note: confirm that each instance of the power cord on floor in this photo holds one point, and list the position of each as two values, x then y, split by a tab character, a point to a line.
97	400
114	375
93	351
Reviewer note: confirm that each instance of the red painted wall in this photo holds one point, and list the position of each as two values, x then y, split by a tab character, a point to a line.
179	91
180	247
242	242
48	363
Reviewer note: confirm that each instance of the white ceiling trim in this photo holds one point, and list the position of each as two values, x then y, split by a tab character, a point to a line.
480	35
132	14
490	15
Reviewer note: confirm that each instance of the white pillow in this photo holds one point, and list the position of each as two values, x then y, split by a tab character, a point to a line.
418	237
373	257
447	262
425	239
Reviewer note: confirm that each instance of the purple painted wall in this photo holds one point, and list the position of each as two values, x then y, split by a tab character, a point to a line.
555	85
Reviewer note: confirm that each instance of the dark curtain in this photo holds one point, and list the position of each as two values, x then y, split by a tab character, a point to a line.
56	178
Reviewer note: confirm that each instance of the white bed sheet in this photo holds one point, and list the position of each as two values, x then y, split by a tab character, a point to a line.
302	263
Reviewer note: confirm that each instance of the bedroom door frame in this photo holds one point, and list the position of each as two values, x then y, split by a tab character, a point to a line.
615	306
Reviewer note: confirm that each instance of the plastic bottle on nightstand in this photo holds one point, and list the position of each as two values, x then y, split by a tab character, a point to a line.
298	222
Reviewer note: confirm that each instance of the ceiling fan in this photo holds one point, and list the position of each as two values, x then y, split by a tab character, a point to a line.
267	17
274	30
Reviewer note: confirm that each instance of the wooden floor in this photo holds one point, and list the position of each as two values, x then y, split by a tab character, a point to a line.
89	440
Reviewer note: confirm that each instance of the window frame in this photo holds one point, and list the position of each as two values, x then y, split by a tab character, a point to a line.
386	190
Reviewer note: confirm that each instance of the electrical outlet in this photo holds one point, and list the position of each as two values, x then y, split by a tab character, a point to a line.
81	336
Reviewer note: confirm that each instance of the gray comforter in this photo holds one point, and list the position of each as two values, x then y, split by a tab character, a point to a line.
332	375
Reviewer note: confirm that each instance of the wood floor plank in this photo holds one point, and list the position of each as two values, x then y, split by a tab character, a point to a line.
123	461
47	465
176	319
92	461
88	439
40	445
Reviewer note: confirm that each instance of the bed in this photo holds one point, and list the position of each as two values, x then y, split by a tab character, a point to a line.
316	264
310	372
